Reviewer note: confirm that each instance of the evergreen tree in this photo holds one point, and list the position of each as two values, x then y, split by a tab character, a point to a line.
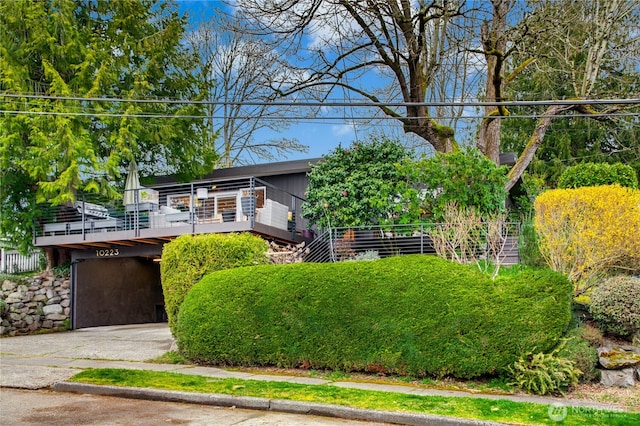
60	134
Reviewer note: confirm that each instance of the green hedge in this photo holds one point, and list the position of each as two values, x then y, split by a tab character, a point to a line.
416	315
188	258
596	174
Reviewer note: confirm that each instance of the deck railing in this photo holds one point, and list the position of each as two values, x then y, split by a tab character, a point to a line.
338	244
185	205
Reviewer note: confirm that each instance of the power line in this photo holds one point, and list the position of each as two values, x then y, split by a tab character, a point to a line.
627	101
307	118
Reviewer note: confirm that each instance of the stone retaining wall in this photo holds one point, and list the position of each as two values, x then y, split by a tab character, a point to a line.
31	304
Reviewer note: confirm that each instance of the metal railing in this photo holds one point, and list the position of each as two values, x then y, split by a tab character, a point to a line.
176	205
339	244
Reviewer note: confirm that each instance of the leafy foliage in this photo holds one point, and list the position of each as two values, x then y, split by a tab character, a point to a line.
544	374
467	178
582	353
412	314
529	245
188	258
594	174
589	231
615	305
53	147
352	186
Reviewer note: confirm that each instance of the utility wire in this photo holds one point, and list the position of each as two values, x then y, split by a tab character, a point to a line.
306	118
628	101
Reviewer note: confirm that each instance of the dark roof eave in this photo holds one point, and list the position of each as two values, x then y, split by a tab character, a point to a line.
253	170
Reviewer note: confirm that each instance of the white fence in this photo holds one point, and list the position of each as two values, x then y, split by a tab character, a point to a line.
12	262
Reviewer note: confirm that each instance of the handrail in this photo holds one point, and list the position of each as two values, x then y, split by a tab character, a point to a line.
342	243
143	212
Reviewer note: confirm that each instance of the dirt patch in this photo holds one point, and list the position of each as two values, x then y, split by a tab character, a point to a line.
627	398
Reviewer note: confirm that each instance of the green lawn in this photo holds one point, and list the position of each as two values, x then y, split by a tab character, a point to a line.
471	408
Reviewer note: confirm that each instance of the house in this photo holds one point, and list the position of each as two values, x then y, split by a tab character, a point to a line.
115	246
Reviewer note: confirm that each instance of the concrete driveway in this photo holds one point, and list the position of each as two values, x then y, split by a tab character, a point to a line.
38	361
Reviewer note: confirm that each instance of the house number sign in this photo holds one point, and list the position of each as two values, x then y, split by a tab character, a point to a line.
107	253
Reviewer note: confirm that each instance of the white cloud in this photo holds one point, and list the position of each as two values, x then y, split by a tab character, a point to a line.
343	129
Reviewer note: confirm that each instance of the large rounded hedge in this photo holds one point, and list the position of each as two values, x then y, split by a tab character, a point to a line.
188	258
417	315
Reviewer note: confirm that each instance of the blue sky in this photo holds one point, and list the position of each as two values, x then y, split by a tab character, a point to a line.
321	136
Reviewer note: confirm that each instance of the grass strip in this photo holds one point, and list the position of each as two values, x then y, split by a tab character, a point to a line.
470	408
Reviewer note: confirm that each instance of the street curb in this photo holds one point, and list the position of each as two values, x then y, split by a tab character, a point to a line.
254	403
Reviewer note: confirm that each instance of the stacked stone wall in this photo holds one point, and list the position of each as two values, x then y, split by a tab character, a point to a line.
35	303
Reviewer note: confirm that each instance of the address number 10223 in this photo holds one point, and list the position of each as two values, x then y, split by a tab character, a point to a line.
107	252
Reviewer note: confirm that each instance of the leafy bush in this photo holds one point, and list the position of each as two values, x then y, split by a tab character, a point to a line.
587	232
528	245
188	258
544	374
615	305
468	179
351	186
62	271
582	353
412	314
595	174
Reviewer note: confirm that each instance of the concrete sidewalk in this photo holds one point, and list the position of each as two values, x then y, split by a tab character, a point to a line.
48	360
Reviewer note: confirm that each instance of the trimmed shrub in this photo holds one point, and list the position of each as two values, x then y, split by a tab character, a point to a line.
188	258
587	232
595	174
615	305
416	315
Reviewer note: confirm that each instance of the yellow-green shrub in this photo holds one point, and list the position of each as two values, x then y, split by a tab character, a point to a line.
188	258
589	231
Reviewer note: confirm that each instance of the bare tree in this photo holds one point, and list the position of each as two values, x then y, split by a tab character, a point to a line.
578	45
238	69
346	44
405	45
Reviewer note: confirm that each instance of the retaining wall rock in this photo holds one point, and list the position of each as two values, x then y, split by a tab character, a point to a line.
35	303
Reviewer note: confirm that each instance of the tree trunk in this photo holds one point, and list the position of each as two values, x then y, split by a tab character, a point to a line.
494	44
534	142
57	256
489	139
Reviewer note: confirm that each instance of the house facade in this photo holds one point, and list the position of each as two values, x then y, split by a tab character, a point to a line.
115	248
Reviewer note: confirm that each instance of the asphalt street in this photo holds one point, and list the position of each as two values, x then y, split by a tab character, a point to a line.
42	363
44	407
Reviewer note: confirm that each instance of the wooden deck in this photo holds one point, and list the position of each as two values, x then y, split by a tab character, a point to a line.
107	237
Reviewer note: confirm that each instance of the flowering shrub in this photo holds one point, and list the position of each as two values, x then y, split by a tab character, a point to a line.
351	186
588	231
